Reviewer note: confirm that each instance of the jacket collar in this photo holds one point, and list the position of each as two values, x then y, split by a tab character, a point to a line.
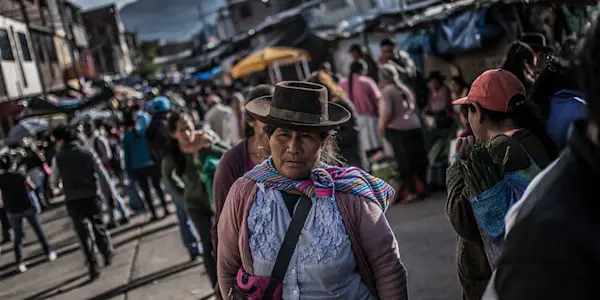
583	148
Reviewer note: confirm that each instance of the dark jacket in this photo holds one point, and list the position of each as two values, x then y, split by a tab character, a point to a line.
233	165
553	250
473	267
158	136
79	170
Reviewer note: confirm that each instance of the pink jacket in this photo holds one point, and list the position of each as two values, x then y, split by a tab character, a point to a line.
373	243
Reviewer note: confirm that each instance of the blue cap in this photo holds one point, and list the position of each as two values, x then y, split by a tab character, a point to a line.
159	105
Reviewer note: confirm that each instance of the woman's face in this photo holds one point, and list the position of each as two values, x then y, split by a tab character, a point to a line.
295	154
184	134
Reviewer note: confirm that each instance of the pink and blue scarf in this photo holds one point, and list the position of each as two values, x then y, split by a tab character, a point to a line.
324	182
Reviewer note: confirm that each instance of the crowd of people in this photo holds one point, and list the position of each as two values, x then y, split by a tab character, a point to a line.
282	190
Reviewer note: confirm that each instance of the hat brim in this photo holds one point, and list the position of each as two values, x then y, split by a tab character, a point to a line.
463	100
259	109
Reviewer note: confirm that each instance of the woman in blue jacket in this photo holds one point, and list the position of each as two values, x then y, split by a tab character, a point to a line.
139	163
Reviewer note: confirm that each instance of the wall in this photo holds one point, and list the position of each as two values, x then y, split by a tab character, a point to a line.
106	33
20	73
39	16
12	10
48	61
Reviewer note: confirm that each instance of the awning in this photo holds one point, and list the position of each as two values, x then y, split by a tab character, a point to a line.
262	59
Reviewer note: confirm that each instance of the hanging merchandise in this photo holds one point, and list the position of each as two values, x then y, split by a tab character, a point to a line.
463	32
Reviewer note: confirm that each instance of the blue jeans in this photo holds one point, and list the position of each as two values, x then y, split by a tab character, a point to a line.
186	227
106	192
33	217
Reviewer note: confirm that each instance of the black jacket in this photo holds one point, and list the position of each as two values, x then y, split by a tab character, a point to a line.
553	251
78	168
158	137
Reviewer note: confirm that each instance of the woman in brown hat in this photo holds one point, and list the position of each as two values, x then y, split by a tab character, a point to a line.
296	225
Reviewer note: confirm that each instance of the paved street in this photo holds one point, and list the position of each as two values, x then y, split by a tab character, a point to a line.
151	263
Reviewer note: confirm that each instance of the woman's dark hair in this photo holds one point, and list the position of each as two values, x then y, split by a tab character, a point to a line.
589	62
556	75
173	149
523	115
261	90
517	56
355	68
329	150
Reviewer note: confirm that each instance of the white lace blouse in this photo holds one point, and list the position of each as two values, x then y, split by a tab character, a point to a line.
323	264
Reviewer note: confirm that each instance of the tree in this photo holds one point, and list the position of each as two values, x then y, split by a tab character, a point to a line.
147	68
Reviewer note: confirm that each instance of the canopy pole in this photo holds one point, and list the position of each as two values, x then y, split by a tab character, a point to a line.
272	75
305	66
298	71
277	72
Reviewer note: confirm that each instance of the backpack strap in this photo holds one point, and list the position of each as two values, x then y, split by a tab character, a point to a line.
288	246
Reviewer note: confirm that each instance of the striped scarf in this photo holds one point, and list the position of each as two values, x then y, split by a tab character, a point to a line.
324	182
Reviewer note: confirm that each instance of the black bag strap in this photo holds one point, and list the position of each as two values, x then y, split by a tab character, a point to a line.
288	246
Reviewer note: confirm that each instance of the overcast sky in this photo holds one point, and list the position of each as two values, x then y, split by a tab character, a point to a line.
94	3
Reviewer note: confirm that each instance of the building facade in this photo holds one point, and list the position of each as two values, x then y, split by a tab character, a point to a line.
110	50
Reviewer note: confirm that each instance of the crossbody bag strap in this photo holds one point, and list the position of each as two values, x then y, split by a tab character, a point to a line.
288	246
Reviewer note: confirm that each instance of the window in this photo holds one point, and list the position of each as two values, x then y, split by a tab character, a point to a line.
245	11
24	46
5	46
38	46
51	49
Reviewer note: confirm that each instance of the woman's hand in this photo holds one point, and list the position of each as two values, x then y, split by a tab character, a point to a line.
200	140
464	145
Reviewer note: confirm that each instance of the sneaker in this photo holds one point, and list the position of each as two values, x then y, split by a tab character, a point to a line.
111	225
124	221
52	256
22	268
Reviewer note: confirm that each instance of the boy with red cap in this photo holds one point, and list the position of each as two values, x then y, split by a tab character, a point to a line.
490	170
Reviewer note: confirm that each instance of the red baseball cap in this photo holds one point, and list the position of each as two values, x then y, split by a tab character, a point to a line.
493	90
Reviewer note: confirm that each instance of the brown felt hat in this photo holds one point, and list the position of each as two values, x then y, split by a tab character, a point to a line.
300	106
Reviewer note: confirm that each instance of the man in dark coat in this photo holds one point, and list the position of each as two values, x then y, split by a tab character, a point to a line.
79	170
553	249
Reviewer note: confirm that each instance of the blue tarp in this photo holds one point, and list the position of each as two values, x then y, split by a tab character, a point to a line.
463	32
208	75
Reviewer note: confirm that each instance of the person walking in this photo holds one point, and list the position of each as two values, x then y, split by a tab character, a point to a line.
79	168
96	142
21	202
221	119
400	125
139	163
196	169
487	177
365	95
338	236
158	137
253	150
